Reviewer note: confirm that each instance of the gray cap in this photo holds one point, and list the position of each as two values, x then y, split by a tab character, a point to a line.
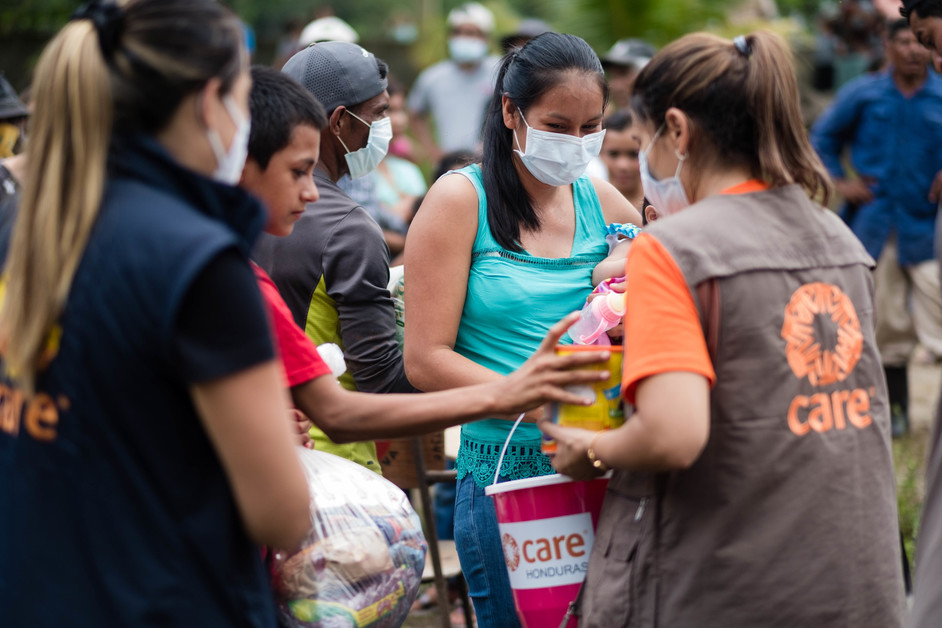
336	73
634	52
10	104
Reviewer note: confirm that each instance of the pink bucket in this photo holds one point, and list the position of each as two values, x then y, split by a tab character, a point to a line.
547	526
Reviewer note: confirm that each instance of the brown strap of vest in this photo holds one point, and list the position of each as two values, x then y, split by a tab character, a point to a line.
708	292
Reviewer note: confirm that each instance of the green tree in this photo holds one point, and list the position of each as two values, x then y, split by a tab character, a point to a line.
602	22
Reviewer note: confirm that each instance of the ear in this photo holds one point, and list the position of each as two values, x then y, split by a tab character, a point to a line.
208	110
337	120
677	129
650	213
509	111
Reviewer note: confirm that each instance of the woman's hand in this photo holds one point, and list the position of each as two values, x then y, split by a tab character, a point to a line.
572	443
545	376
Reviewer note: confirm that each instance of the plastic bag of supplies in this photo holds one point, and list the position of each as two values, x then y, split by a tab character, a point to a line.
362	562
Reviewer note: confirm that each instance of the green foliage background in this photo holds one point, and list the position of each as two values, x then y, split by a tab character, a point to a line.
26	24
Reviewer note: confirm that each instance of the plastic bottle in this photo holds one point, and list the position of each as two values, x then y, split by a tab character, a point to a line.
598	316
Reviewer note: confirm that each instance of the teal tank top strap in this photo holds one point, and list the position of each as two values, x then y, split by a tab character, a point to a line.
483	240
590	221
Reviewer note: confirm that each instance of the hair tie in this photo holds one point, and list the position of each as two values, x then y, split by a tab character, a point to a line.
742	45
108	18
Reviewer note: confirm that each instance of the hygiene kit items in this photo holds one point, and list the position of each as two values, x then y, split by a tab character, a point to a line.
362	561
590	333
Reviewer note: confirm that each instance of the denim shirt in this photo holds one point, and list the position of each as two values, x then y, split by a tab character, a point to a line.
896	141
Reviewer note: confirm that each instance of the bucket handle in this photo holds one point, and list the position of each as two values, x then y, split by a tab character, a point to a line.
503	450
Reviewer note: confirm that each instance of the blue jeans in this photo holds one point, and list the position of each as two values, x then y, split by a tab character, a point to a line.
444	506
482	557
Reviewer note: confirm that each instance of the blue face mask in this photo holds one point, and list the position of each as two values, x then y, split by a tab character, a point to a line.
363	161
467	49
666	195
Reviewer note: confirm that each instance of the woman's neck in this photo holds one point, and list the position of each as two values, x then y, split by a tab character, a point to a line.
713	182
542	196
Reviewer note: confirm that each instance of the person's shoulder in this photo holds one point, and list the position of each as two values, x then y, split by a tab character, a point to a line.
332	205
453	197
934	84
867	85
134	205
615	207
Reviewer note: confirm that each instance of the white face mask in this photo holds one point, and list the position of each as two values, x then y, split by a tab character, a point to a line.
229	164
364	161
466	49
556	158
666	195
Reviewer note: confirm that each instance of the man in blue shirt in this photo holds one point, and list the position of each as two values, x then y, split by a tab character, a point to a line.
892	124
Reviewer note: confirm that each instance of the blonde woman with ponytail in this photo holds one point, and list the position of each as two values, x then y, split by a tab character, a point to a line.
753	485
144	449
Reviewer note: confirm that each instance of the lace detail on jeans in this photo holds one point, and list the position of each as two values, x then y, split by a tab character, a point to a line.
480	461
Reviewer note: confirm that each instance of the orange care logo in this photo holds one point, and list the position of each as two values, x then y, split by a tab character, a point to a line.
547	552
511	552
814	310
806	355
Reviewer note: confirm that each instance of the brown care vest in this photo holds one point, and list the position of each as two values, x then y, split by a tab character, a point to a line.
788	517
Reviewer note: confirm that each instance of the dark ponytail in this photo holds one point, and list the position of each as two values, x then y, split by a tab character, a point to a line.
525	75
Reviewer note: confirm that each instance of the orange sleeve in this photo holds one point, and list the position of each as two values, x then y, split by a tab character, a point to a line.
662	326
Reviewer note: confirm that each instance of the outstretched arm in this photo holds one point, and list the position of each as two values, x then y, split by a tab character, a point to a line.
349	416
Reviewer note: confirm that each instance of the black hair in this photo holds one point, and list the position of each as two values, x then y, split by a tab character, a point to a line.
453	161
278	104
383	68
618	121
925	8
895	26
525	75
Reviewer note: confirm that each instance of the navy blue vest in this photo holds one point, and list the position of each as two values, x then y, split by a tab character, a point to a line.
114	508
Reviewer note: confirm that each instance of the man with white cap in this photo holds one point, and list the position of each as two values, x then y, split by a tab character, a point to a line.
454	93
328	28
333	269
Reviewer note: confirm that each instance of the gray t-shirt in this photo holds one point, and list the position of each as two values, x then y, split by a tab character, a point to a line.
456	99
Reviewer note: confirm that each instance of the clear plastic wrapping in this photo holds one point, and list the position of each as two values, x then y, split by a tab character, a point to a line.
362	562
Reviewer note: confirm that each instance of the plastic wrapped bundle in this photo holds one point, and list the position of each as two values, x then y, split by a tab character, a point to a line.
362	562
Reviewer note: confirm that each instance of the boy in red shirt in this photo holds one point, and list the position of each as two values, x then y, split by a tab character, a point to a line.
284	146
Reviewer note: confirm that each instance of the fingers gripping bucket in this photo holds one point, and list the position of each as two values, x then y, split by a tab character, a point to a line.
547	527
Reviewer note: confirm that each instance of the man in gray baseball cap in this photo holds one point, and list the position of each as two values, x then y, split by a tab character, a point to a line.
333	269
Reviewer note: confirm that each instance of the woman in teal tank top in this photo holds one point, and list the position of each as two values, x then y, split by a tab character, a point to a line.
496	255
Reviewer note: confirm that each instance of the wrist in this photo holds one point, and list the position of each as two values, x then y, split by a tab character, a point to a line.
592	454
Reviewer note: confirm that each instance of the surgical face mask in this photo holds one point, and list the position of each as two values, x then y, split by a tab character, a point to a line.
364	161
467	49
666	195
556	158
229	164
